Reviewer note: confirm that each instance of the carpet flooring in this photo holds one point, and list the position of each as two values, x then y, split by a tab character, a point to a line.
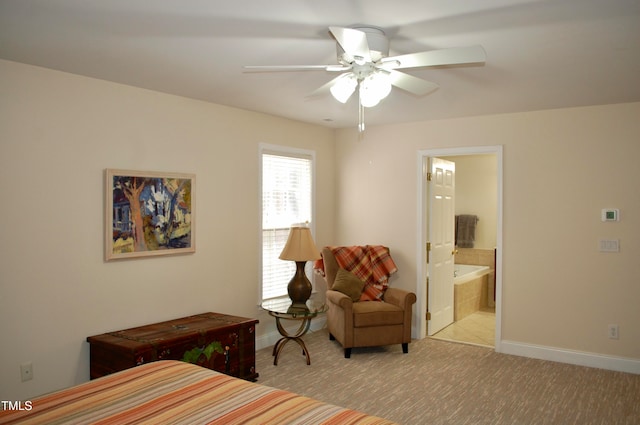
440	382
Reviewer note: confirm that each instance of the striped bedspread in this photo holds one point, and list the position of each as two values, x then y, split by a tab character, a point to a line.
172	392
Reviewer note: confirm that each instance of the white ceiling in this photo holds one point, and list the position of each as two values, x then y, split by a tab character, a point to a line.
540	54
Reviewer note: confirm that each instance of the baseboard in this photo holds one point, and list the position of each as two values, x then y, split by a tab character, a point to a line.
580	358
270	338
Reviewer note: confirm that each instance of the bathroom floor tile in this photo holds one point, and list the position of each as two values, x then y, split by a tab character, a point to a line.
477	328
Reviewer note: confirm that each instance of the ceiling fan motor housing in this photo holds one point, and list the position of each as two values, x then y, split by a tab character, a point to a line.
377	41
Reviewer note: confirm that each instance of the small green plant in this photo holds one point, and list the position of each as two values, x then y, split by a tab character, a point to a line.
194	355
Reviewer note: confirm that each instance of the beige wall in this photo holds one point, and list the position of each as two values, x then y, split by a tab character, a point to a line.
477	193
58	132
561	167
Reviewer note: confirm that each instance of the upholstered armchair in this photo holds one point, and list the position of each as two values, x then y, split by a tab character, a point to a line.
356	323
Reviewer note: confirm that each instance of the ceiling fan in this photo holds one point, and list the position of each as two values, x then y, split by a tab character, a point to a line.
364	64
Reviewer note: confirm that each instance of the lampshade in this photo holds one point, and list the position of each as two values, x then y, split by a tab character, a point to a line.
374	88
300	246
344	87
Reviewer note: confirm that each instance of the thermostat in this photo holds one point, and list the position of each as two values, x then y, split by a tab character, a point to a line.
610	214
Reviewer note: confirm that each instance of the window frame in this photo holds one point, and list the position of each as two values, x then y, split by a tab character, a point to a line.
286	151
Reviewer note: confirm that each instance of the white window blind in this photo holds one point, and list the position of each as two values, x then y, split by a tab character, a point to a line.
286	200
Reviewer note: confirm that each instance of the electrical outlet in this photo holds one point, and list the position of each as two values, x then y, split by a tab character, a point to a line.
26	371
614	332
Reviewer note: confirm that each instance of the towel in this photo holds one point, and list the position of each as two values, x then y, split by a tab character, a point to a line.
466	230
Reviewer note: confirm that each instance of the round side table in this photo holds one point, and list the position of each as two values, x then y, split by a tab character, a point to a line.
284	309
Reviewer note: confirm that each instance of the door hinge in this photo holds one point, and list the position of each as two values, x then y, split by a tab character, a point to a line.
428	249
428	315
429	176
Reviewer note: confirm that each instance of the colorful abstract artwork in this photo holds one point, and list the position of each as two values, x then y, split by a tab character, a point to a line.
149	213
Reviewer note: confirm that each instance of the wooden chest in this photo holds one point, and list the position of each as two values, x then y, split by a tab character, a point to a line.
217	341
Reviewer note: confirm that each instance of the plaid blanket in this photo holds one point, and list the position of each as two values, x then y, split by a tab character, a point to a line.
371	263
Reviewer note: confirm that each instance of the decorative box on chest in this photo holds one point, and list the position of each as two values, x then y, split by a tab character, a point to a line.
217	341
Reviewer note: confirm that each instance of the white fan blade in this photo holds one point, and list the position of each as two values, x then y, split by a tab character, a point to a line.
452	56
330	68
353	42
412	84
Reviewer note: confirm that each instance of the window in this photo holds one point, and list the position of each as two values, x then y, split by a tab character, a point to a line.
287	198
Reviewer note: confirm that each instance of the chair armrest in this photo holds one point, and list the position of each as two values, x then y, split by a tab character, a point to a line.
400	297
339	299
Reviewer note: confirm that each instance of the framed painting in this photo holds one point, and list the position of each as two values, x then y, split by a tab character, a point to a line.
149	213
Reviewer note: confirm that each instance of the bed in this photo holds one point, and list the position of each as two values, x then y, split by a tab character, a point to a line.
173	392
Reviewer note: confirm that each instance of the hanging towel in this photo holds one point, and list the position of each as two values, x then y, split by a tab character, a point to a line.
466	230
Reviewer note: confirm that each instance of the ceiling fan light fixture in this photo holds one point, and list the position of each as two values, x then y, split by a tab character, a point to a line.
374	88
344	87
367	99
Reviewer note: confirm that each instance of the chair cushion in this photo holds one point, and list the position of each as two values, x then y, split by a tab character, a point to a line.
367	313
349	284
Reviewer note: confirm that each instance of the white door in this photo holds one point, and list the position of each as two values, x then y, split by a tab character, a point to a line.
441	243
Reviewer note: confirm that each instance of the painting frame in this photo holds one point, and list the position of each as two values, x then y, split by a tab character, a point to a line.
161	222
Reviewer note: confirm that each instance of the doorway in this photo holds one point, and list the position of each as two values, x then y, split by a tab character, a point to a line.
422	305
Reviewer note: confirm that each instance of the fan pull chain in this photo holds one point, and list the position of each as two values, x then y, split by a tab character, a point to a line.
360	115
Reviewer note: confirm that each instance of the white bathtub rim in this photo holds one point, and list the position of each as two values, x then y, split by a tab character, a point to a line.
474	272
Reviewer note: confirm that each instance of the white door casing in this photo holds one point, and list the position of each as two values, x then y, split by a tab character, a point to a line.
441	243
420	323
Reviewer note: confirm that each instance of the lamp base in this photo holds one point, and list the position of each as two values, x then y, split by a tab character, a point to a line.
299	287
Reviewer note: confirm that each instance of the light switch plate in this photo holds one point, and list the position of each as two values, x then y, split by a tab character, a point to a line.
609	245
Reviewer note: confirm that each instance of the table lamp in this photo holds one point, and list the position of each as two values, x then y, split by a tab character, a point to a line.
299	248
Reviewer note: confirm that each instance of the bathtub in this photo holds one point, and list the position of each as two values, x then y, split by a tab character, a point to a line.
470	289
463	273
